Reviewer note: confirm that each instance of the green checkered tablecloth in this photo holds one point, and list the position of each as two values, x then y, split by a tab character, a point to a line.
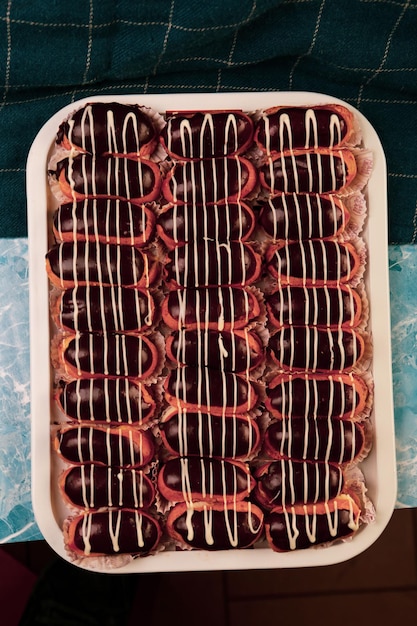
362	51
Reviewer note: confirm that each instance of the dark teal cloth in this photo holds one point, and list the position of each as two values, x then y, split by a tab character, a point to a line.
362	51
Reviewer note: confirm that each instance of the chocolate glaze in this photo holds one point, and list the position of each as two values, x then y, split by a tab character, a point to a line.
224	351
199	135
313	261
301	524
198	479
313	306
201	434
321	398
217	306
244	526
210	180
210	388
304	348
296	216
132	532
294	482
117	447
184	223
109	176
306	173
105	309
106	400
211	264
94	486
297	128
100	128
104	218
333	441
111	355
107	264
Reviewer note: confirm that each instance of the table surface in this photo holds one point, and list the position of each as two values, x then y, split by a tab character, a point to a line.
17	521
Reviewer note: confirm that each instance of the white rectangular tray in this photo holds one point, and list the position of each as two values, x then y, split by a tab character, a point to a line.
380	466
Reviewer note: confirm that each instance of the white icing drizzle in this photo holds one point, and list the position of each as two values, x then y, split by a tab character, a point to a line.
340	433
318	251
266	121
224	299
113	138
134	124
114	521
309	519
312	136
254	529
310	216
310	531
335	131
87	113
330	440
206	420
312	222
114	529
343	351
311	124
231	123
317	484
285	125
86	526
306	425
317	166
186	139
115	295
139	529
207	121
291	527
206	480
205	339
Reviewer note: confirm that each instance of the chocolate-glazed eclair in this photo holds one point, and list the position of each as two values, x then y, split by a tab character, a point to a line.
219	308
114	401
238	351
188	433
302	526
109	128
209	180
329	440
101	308
315	262
284	127
342	396
92	263
331	307
320	172
122	447
112	532
93	486
110	355
303	348
194	479
294	217
202	134
210	391
297	482
215	526
212	263
108	220
186	223
86	176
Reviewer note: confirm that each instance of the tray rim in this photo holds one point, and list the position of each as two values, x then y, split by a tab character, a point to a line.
377	274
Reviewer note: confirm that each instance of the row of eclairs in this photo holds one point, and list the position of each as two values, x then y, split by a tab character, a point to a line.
211	355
